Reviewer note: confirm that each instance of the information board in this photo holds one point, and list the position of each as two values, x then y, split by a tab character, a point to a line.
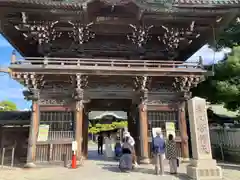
43	132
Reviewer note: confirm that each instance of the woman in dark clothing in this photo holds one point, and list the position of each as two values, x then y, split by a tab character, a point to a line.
171	154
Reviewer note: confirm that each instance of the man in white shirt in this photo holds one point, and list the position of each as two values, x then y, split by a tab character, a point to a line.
131	141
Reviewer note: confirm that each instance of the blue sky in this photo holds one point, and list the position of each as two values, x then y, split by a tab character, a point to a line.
12	90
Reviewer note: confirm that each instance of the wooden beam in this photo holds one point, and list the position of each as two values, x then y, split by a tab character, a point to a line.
208	37
13	37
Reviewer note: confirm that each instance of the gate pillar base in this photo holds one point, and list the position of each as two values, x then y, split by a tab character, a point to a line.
185	160
30	165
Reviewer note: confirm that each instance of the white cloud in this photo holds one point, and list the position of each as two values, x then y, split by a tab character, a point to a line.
208	55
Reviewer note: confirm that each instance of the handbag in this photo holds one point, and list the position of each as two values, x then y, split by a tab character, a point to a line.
177	162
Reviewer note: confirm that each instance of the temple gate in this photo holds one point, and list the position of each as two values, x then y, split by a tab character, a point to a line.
108	55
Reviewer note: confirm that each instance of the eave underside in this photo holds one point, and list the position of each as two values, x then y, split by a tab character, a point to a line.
111	27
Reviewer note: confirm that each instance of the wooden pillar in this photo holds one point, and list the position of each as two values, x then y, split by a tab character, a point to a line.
183	129
85	136
79	128
143	123
133	128
33	131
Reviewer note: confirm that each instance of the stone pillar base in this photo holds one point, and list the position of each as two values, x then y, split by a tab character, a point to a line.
30	165
204	170
144	160
185	160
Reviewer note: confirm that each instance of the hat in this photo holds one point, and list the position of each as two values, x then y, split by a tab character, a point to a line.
126	134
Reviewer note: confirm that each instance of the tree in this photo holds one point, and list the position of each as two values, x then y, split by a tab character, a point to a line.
230	37
224	86
107	127
7	106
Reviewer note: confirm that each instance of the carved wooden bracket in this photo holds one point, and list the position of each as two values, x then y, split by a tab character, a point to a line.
29	80
140	34
32	94
142	83
184	84
79	82
79	105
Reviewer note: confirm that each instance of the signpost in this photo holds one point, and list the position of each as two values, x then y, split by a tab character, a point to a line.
74	157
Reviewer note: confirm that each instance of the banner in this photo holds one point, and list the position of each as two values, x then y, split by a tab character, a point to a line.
43	132
170	129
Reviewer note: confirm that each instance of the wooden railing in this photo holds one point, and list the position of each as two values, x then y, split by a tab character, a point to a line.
104	63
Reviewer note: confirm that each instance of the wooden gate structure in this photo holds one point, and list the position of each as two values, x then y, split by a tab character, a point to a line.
86	55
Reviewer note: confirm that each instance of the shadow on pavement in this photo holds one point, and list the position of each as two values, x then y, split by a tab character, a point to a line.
110	167
93	155
230	166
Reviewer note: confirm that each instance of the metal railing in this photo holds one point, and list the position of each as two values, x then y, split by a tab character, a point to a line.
114	63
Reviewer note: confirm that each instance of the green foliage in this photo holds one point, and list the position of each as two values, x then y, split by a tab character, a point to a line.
224	87
8	106
107	127
230	37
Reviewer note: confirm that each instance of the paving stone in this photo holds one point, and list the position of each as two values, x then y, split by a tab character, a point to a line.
97	168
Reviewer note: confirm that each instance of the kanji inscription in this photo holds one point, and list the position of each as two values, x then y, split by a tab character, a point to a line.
202	128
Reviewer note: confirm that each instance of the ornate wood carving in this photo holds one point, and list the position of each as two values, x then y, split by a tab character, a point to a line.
42	32
30	80
142	83
57	88
160	102
32	94
139	35
79	82
184	84
161	87
81	33
47	102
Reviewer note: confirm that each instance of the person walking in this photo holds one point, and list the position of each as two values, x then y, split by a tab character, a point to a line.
171	154
131	141
100	144
126	161
159	153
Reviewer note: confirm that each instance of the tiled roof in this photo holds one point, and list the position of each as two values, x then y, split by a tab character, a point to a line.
77	4
14	116
208	2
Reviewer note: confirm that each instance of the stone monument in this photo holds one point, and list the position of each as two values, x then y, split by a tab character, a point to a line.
202	166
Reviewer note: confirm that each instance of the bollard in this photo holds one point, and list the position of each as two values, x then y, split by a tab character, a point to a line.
13	154
65	161
74	160
3	156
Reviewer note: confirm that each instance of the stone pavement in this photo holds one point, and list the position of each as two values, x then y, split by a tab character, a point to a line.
97	168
